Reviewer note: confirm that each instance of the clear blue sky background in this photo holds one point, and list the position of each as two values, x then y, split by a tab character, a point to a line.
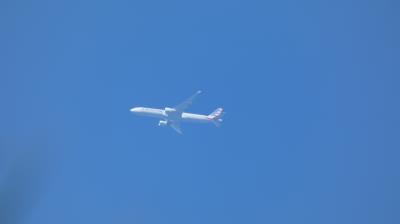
311	90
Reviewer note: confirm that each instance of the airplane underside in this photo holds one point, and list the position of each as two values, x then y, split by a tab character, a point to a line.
173	117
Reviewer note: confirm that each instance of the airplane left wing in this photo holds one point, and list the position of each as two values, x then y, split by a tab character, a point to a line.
183	106
176	127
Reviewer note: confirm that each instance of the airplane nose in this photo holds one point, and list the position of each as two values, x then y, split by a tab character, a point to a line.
135	110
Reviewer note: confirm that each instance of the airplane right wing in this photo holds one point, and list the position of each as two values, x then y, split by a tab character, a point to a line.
176	127
183	106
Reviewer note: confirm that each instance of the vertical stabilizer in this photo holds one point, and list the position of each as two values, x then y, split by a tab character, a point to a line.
216	116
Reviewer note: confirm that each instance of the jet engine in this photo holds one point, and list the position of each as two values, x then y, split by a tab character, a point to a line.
169	110
162	123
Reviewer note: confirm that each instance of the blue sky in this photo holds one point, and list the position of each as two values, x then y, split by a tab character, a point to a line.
310	89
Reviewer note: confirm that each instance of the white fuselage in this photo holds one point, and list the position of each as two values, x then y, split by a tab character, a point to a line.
170	115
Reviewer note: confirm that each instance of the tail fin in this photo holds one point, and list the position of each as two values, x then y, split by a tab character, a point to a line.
216	116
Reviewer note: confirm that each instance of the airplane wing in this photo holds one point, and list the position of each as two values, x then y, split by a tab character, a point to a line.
183	106
176	127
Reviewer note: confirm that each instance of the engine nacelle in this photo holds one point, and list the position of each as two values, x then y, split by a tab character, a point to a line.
162	123
169	110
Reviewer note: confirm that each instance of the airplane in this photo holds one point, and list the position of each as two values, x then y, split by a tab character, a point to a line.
173	117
